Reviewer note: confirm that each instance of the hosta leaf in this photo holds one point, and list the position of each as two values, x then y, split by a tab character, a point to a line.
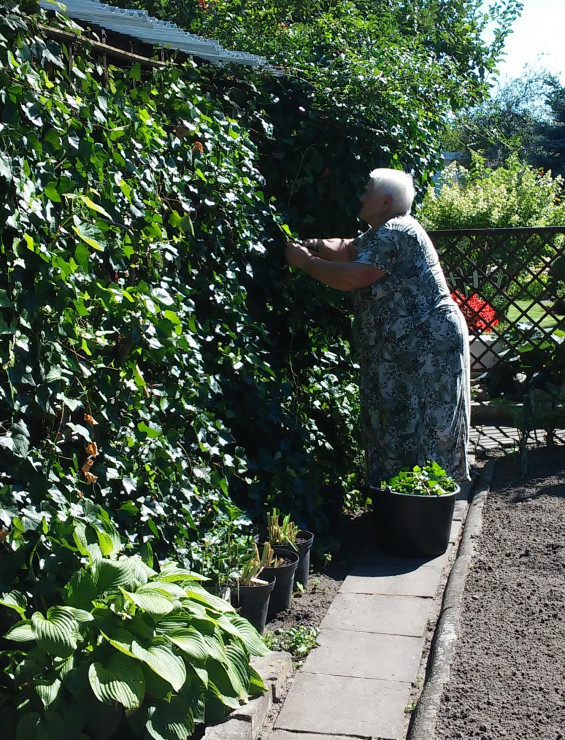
161	659
256	684
170	720
47	690
152	599
215	647
14	600
190	642
200	595
58	632
229	700
238	668
111	574
172	572
202	674
34	726
21	632
110	625
121	680
248	634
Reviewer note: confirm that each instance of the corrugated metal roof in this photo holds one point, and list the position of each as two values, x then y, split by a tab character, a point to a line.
140	25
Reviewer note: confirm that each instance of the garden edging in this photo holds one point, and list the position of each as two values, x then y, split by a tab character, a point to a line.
443	649
246	722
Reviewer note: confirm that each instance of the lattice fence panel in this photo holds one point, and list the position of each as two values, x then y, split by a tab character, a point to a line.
519	346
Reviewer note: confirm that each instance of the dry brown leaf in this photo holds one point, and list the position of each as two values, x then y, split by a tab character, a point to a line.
90	478
87	465
197	146
3	535
91	420
92	449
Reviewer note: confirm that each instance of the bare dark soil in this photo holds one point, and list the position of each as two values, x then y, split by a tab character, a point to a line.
508	678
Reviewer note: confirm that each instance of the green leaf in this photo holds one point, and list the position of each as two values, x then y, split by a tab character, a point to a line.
161	659
91	236
170	720
58	632
171	572
51	192
202	596
111	574
21	632
47	690
14	600
151	599
190	641
248	634
121	680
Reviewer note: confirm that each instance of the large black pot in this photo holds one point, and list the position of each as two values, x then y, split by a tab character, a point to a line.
252	601
304	540
282	592
412	525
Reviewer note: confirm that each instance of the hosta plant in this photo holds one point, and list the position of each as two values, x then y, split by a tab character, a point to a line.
128	652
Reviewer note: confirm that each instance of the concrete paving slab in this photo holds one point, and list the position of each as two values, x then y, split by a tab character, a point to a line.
285	735
398	579
392	615
366	655
234	729
334	705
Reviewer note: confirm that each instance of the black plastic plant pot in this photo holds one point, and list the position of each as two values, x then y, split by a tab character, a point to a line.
282	592
304	540
413	526
252	601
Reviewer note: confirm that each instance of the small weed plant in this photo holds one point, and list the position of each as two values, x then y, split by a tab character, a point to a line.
298	641
429	480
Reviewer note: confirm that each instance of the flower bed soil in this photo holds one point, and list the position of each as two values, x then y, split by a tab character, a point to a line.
508	678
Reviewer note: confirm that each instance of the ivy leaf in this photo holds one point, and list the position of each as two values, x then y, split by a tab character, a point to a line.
121	680
51	192
90	235
33	113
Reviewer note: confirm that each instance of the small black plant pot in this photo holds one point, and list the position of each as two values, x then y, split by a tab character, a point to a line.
252	601
304	540
411	525
282	592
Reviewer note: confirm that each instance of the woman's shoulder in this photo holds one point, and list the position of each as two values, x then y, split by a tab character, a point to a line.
404	224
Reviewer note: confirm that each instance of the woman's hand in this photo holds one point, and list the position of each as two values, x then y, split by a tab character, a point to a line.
297	254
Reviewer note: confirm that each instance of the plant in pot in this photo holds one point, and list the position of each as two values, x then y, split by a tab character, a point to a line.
282	532
252	594
414	510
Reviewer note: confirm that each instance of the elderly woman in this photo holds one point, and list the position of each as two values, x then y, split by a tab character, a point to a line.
411	338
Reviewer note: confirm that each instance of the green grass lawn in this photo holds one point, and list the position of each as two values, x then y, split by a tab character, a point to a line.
534	311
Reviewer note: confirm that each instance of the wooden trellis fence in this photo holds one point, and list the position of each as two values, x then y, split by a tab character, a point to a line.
518	348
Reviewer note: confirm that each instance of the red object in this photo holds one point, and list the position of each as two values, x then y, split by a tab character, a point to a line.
203	3
479	315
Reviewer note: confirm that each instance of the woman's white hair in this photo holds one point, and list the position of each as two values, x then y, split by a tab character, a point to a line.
398	185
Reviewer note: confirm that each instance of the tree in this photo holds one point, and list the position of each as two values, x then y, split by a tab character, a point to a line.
550	140
506	123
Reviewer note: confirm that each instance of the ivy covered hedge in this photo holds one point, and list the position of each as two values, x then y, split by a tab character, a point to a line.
160	387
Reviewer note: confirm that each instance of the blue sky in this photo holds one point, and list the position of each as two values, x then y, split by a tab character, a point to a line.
538	39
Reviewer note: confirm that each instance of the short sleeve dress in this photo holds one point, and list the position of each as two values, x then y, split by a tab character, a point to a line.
413	351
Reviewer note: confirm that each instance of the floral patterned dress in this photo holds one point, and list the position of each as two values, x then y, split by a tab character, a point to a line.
413	350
